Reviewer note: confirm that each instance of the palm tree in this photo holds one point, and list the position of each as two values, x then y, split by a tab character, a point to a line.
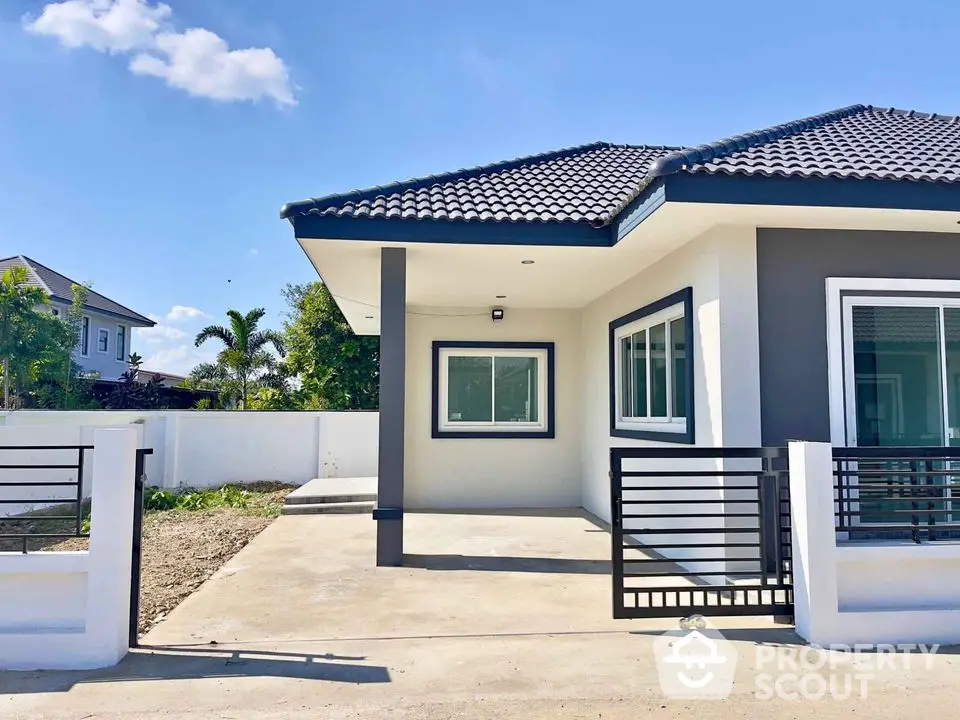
244	351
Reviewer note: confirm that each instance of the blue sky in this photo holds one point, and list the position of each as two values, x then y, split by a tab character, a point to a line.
143	154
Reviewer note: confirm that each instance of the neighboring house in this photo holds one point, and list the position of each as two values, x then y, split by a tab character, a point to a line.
800	282
105	335
166	379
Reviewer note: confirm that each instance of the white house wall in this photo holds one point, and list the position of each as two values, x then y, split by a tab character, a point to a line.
720	266
106	364
479	473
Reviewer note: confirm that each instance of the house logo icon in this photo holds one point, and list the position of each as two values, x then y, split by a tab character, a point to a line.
695	662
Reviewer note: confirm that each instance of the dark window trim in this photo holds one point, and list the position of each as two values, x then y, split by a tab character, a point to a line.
547	434
685	297
85	336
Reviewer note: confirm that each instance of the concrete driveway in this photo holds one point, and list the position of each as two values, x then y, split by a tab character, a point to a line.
496	616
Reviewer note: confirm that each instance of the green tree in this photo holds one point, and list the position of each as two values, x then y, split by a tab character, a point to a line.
31	339
135	360
244	356
74	321
213	376
337	369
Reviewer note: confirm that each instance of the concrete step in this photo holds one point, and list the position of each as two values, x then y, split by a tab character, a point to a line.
328	507
329	499
334	491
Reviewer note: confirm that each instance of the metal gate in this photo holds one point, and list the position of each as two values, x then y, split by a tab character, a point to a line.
136	550
700	531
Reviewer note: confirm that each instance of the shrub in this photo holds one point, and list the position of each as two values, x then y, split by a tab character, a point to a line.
155	498
233	496
193	499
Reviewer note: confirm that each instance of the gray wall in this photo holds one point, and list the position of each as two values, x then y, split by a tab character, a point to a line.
792	266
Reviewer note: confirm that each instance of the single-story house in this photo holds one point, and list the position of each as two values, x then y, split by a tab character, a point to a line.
798	282
104	346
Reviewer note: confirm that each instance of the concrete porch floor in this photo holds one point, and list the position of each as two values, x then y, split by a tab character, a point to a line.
496	616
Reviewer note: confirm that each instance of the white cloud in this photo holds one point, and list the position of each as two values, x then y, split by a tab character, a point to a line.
159	333
202	63
178	360
180	313
254	251
168	345
197	60
113	26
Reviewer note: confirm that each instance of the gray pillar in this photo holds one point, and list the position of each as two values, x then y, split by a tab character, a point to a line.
393	303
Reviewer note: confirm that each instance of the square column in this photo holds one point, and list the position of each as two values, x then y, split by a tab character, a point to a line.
393	304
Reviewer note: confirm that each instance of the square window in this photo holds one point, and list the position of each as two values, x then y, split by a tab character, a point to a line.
493	390
651	379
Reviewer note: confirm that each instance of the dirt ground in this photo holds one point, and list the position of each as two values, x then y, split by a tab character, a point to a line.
181	548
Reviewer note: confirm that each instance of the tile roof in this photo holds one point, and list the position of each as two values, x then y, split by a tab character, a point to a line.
583	184
60	287
590	184
859	142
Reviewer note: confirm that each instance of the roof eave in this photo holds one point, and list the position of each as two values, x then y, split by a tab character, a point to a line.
136	320
314	226
793	191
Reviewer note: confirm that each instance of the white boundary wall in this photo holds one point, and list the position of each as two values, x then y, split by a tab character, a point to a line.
70	610
863	592
211	448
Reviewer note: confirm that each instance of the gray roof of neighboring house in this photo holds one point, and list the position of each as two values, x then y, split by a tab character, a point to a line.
59	287
591	183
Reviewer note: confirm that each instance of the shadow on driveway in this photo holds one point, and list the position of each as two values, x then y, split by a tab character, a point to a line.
498	563
177	663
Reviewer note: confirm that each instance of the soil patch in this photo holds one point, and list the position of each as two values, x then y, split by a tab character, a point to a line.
183	548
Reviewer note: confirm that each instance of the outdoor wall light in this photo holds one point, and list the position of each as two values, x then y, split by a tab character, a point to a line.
496	314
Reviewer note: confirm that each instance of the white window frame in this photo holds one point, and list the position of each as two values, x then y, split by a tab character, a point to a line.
841	375
648	423
446	425
840	372
100	333
85	336
121	352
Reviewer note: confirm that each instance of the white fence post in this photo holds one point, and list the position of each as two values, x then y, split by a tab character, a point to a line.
111	536
814	542
171	465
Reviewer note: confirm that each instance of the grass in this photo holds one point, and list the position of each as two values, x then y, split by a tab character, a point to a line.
263	499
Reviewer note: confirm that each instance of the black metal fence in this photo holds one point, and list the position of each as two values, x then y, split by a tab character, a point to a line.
700	530
887	493
136	559
56	507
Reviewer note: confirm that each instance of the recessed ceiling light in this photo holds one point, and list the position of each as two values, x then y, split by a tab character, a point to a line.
526	262
500	297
